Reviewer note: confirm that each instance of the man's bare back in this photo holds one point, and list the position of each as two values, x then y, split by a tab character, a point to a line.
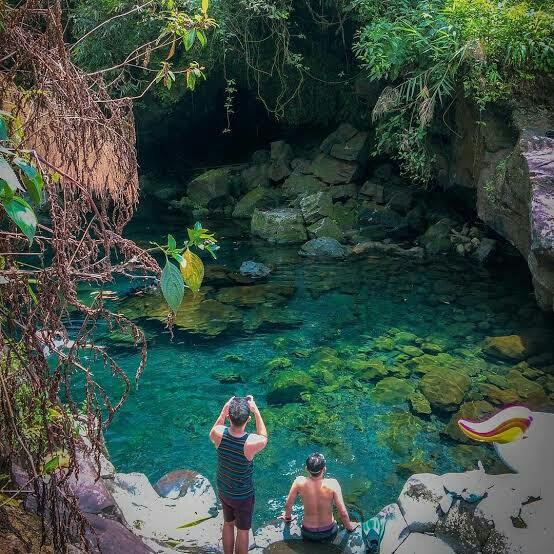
318	496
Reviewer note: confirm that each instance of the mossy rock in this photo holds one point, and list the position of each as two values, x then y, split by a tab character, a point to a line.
227	377
416	464
411	351
327	357
279	363
404	337
508	347
322	374
445	388
420	404
268	316
258	197
233	358
530	391
368	370
400	431
384	344
431	348
392	390
497	395
475	411
289	386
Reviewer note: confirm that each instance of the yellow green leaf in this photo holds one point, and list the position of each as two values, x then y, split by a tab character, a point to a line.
192	270
205	5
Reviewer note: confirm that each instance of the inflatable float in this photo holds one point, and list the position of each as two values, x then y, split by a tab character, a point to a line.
506	426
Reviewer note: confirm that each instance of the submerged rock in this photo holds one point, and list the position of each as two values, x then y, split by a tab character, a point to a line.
323	247
256	270
267	293
289	386
281	226
476	411
420	404
444	388
392	390
517	347
227	377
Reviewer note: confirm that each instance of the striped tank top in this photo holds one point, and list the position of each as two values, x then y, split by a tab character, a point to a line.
234	470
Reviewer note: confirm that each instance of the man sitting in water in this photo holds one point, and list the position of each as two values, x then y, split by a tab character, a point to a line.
318	495
235	451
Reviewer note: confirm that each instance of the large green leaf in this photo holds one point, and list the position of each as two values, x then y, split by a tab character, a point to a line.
192	269
22	215
205	6
32	179
173	287
8	174
188	39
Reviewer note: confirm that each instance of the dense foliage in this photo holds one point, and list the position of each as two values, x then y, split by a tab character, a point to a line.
429	51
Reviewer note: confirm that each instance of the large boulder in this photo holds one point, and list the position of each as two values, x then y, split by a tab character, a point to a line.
255	270
335	171
255	176
281	156
162	520
325	227
436	239
257	198
354	149
517	347
281	226
419	502
323	247
316	206
212	187
341	135
302	185
445	388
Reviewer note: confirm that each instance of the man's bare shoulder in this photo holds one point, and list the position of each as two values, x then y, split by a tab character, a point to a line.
332	484
300	481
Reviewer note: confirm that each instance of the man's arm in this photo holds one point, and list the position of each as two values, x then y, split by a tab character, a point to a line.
218	427
341	508
257	442
291	499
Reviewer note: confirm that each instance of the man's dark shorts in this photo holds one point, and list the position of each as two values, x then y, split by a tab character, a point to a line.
239	511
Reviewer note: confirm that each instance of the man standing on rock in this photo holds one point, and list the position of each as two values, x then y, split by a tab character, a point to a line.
235	451
318	496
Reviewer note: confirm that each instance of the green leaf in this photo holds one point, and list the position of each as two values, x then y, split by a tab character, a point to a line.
3	129
8	174
205	6
191	80
32	179
172	285
201	38
22	215
51	465
188	39
192	269
171	242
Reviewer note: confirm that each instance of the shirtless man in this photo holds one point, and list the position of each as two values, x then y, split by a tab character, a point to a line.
235	454
318	495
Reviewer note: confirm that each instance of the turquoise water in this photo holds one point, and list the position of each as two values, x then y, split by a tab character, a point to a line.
371	440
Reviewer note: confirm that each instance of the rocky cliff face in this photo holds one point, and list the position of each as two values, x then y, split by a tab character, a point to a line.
508	157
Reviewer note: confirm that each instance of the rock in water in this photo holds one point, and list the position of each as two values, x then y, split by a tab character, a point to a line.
281	226
255	270
444	388
316	206
213	185
325	227
258	197
437	238
281	156
323	246
484	250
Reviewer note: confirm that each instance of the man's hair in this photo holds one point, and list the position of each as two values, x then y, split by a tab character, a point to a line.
315	463
239	412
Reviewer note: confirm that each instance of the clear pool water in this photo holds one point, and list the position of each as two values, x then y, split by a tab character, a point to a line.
372	441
